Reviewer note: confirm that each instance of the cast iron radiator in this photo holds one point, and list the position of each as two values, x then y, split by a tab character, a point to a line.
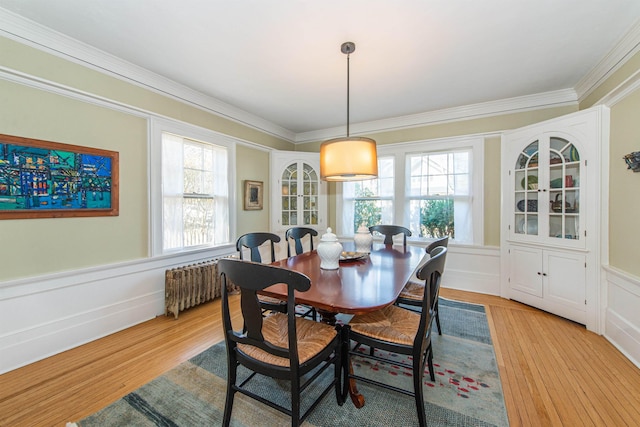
191	285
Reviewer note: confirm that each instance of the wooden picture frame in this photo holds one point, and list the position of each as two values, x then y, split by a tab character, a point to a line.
45	179
253	194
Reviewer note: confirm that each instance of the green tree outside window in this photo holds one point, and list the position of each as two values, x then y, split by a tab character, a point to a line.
436	218
366	212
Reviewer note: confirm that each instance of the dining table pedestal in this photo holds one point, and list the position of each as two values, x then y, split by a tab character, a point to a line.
360	285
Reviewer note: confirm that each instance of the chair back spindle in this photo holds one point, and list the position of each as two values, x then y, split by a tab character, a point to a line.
388	231
297	234
253	241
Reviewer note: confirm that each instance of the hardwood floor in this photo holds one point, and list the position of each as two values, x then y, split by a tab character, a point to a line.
554	372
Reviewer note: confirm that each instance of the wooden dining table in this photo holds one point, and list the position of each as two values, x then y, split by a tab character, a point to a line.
358	286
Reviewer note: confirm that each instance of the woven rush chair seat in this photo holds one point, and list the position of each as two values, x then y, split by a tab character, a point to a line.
401	331
270	300
313	337
281	346
391	324
413	291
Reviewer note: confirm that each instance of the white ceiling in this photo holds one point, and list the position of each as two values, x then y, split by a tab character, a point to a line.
280	60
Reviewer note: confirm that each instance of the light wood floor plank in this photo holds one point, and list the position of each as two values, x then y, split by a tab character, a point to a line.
553	371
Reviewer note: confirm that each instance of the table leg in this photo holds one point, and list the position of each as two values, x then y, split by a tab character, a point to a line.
327	317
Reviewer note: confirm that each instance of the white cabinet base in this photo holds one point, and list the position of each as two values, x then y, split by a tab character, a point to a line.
552	280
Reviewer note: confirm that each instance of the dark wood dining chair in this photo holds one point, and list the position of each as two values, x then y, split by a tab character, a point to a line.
402	331
413	292
297	234
388	231
253	242
281	346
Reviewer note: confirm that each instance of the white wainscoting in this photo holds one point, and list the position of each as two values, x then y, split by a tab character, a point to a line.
46	315
622	319
473	269
43	316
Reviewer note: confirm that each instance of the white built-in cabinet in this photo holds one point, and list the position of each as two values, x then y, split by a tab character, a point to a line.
298	196
551	214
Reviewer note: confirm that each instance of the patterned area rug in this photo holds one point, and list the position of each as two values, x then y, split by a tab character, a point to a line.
467	390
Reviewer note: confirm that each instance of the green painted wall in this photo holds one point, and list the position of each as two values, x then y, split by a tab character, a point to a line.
492	185
624	188
38	246
42	246
253	165
624	185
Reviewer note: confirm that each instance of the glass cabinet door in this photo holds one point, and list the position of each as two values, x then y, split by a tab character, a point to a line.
547	190
526	190
564	189
299	195
310	192
290	195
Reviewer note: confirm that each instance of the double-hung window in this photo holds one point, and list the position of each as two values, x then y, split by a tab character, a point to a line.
434	188
193	207
369	202
438	194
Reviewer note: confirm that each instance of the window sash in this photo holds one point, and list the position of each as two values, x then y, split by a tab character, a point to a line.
202	214
466	192
192	219
383	194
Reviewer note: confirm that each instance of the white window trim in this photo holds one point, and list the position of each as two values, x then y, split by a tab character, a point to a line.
400	150
157	127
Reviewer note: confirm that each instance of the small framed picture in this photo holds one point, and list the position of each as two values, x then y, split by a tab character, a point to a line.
253	195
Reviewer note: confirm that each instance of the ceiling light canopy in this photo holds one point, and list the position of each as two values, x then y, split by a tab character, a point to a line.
349	158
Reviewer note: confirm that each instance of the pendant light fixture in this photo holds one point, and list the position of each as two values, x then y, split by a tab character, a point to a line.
350	158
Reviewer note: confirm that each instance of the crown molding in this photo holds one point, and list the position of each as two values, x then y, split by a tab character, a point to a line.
557	98
35	35
27	32
628	46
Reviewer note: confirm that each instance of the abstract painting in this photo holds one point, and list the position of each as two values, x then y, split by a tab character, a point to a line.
43	179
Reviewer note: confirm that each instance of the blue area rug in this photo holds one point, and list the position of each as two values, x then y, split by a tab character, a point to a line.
467	390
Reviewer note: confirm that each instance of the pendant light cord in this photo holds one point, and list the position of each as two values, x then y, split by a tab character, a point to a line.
348	56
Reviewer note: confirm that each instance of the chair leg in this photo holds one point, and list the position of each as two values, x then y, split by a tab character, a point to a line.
231	392
438	319
346	344
418	373
295	402
339	366
311	313
432	373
